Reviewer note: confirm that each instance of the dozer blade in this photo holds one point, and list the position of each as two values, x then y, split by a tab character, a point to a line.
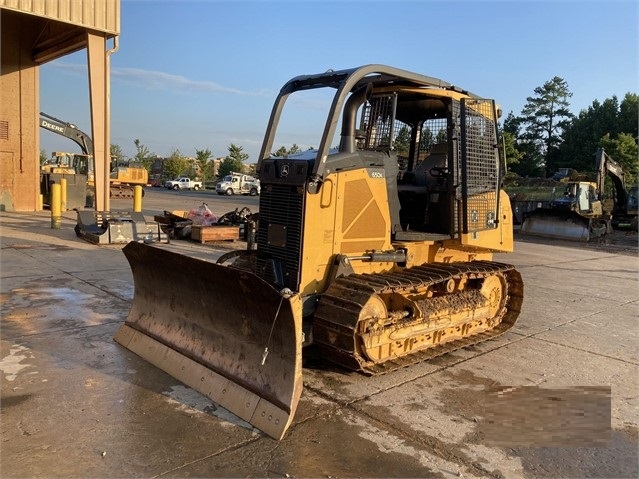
556	224
209	325
112	227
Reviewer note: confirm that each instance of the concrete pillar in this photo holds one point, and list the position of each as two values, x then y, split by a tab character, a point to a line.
19	114
99	101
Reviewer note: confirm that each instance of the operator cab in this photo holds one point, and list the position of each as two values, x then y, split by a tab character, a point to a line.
434	144
416	162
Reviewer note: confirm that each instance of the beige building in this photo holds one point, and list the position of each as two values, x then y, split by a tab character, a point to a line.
34	32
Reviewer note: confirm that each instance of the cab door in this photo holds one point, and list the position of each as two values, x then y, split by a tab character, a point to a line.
479	194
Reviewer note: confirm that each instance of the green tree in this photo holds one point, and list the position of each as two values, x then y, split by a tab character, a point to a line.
628	115
442	136
280	152
512	124
175	165
117	154
203	160
514	151
531	162
402	141
584	134
209	171
143	155
426	140
513	155
283	152
608	119
623	149
43	157
580	140
544	118
294	149
233	161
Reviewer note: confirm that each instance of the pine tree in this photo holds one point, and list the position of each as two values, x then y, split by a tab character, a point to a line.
543	120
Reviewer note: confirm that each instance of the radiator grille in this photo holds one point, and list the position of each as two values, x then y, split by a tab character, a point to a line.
280	217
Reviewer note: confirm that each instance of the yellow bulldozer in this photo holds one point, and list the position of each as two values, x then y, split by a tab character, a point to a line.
376	248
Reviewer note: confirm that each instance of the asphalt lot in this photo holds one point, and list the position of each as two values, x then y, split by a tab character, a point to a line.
557	396
157	200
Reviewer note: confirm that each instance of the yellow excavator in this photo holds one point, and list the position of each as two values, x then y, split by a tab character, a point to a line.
581	213
376	248
122	177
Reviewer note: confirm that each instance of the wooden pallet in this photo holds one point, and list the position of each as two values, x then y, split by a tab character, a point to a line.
203	234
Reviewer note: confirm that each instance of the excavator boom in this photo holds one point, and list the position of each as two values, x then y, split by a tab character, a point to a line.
69	130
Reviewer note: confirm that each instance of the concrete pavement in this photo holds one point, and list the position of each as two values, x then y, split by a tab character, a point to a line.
562	385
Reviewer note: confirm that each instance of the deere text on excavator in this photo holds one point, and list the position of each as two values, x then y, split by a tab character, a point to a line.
379	251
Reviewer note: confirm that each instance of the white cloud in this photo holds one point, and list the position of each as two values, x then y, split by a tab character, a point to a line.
157	80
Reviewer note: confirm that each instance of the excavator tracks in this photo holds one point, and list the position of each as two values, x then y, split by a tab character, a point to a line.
121	192
377	323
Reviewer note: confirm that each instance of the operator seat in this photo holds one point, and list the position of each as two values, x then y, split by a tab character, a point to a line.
422	206
438	158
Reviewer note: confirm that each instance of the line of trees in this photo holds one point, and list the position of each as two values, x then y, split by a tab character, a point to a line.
547	136
177	164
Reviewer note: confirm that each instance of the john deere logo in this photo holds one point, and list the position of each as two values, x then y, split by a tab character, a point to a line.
284	171
51	126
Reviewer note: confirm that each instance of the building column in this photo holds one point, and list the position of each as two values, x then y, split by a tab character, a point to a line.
99	101
19	115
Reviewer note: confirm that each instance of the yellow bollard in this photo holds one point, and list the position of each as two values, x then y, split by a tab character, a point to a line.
40	202
137	199
56	219
63	194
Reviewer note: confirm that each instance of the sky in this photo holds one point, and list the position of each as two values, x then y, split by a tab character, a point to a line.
204	74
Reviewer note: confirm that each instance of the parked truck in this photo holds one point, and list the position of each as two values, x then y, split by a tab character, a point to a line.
238	184
183	183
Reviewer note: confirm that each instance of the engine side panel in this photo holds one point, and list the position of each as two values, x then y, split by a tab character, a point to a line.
348	216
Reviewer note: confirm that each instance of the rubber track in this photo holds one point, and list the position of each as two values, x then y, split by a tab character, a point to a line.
426	275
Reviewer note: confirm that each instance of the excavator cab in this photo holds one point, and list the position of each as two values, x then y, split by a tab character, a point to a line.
375	247
72	168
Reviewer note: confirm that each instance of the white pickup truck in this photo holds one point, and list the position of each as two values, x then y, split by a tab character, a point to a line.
183	183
